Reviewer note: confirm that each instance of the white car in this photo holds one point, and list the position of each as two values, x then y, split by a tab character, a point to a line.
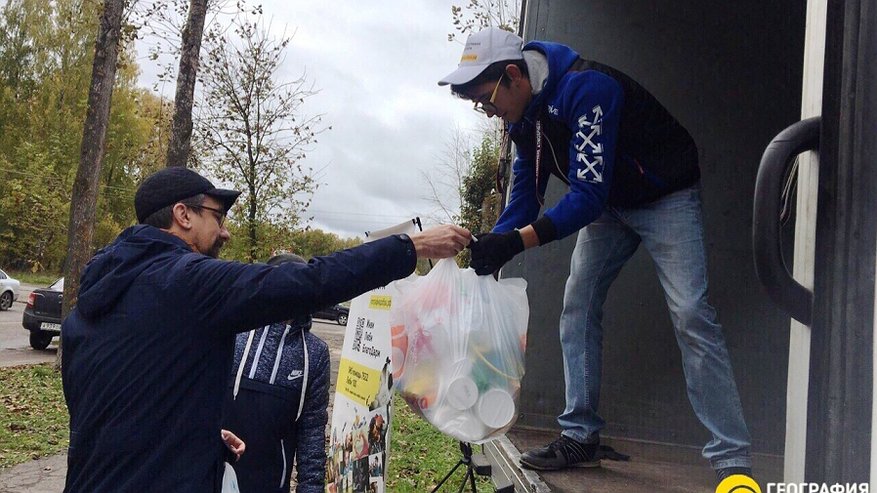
8	291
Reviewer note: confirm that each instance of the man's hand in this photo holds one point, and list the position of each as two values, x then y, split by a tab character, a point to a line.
234	444
441	241
493	250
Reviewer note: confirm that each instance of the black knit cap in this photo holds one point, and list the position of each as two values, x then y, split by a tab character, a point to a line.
171	185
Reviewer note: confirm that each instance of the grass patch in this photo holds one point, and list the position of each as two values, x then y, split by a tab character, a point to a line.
41	279
420	455
34	421
33	416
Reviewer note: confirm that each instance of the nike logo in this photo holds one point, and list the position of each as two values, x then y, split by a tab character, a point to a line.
296	374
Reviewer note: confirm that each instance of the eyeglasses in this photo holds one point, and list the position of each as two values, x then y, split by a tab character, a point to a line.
488	106
220	218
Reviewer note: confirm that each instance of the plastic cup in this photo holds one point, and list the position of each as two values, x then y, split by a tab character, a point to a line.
495	408
462	425
462	393
470	428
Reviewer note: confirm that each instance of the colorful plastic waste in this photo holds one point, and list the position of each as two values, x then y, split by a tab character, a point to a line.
458	350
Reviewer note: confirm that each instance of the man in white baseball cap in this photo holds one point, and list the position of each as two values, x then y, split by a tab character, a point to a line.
633	176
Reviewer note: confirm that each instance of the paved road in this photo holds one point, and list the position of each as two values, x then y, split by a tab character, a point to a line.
46	475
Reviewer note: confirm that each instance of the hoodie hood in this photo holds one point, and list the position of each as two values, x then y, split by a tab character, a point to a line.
560	59
110	273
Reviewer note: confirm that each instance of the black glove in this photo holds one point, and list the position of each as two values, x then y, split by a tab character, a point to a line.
493	250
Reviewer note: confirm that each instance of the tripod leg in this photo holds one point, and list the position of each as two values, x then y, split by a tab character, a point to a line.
448	475
469	474
472	477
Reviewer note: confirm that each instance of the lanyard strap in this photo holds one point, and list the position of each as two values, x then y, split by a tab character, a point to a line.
539	197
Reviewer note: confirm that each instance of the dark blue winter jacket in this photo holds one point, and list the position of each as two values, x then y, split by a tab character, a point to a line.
601	133
148	350
277	403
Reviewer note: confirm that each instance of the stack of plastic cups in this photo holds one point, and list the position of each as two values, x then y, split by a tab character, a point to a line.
475	403
455	415
496	405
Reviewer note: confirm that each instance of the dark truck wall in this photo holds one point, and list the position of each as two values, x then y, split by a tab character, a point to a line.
731	72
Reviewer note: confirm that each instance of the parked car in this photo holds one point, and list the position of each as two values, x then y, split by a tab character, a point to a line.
8	291
338	313
42	315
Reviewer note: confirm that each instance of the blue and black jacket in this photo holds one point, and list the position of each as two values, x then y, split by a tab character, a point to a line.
148	350
277	405
601	133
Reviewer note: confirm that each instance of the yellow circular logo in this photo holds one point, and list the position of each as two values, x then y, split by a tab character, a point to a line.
738	483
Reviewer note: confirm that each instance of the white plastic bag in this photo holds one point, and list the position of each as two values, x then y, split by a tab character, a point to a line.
230	480
458	350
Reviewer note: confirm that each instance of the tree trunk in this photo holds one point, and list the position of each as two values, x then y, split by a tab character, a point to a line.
83	205
251	230
251	221
180	146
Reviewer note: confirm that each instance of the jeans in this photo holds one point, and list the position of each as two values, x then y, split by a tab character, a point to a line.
671	229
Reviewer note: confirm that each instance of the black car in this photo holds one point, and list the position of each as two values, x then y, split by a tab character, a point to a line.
338	313
42	315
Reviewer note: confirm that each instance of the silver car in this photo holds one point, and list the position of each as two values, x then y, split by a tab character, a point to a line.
8	291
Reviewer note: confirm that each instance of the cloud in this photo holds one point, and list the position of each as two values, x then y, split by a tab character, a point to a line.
376	65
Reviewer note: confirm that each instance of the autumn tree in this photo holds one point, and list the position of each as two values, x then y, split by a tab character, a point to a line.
40	124
83	204
46	55
316	242
276	238
173	32
253	130
480	195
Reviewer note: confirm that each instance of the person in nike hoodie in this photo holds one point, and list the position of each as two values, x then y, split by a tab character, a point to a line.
633	177
148	347
277	404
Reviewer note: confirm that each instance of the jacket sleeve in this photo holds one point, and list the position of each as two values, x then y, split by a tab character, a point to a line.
235	297
590	105
311	428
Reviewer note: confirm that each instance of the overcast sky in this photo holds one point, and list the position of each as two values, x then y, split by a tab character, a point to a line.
376	65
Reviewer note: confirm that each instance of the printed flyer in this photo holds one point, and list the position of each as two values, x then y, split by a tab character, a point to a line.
359	437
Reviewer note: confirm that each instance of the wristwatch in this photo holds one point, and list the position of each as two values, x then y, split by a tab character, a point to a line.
409	244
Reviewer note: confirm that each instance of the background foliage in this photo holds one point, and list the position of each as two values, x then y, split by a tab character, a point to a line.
46	51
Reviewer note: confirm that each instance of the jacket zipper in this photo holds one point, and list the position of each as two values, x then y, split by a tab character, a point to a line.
283	476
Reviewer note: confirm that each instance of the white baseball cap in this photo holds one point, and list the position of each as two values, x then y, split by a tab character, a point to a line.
483	48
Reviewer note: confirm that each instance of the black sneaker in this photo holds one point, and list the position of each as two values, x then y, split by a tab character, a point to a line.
560	454
726	472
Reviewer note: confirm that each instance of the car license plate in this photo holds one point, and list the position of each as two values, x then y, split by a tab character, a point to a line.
50	326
